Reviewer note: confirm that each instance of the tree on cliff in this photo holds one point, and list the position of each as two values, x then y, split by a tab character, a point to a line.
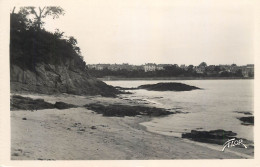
46	62
30	43
38	14
74	43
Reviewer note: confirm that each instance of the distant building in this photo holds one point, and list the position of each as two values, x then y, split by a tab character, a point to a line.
98	66
153	67
91	66
248	70
149	67
141	67
114	67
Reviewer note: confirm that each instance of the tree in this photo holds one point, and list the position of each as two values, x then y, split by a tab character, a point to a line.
203	64
13	10
74	43
217	68
18	22
58	34
40	13
190	67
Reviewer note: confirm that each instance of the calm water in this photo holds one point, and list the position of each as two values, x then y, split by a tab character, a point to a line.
208	109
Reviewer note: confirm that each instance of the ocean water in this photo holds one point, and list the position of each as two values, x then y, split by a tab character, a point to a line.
213	107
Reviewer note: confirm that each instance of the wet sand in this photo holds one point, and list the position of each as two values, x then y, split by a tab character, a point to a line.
81	134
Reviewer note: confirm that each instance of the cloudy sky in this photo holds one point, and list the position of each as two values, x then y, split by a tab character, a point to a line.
161	31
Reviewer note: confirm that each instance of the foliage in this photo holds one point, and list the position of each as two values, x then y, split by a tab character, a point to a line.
30	45
39	13
203	64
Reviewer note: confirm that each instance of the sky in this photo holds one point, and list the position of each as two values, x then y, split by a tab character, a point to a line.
162	32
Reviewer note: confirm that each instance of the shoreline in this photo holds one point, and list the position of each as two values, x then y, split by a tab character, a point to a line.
93	136
172	78
237	151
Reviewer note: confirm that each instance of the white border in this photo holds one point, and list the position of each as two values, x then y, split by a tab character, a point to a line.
5	7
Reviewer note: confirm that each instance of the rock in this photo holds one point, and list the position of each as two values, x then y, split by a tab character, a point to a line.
26	103
62	105
82	129
93	127
126	110
170	86
53	79
247	120
214	136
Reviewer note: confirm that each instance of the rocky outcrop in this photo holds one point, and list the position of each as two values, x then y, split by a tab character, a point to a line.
214	136
247	120
61	105
63	78
26	103
114	110
171	86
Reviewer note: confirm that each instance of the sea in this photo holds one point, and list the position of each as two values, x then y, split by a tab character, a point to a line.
217	105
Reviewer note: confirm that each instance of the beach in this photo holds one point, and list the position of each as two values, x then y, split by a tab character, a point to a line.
81	134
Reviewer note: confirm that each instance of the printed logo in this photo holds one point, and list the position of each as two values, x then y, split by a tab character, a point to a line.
232	143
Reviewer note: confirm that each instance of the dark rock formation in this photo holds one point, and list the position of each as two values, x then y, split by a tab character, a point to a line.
51	79
61	105
244	112
213	136
247	120
171	86
126	110
26	103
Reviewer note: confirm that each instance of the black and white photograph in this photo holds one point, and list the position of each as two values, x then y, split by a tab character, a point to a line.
131	80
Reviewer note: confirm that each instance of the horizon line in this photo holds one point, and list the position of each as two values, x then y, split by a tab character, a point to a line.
167	64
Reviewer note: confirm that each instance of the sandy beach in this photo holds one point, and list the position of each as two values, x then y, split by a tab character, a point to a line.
81	134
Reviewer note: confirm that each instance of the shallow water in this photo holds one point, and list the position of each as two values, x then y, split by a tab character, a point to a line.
213	107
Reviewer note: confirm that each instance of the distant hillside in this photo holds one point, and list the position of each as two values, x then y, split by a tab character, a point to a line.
44	62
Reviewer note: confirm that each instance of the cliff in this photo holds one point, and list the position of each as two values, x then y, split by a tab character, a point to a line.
50	79
45	62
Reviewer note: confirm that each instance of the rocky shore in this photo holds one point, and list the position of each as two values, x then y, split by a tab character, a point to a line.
79	133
